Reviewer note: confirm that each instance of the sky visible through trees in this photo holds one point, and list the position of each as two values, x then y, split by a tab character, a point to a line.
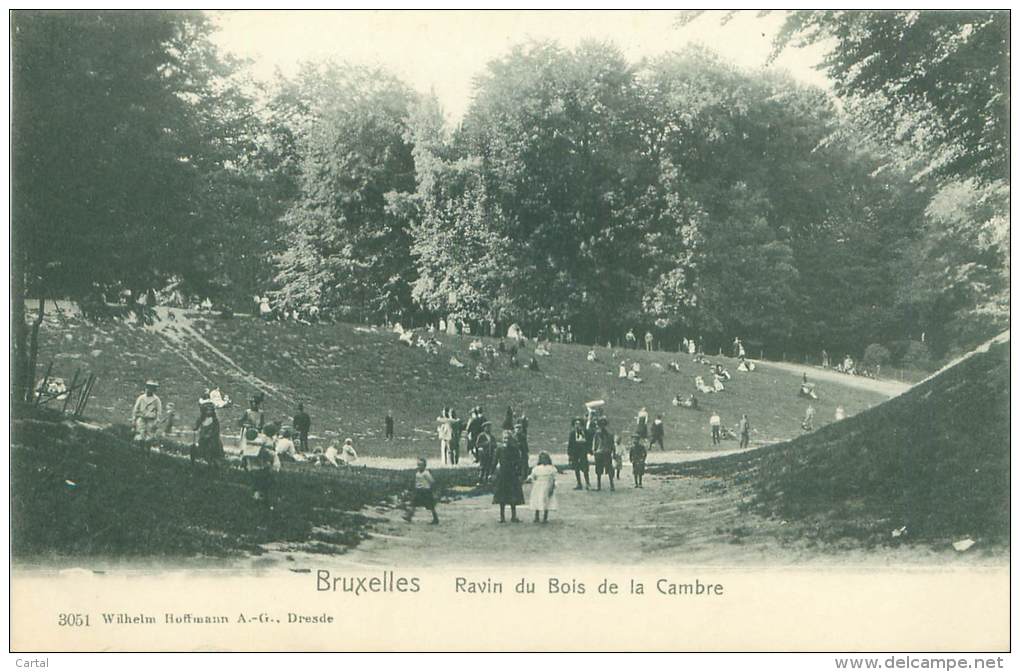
581	185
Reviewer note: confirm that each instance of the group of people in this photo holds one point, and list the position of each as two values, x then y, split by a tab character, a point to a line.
590	436
263	445
631	341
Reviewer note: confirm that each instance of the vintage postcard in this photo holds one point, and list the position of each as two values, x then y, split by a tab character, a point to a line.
510	331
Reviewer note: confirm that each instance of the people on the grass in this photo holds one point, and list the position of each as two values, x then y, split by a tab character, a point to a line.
507	489
284	446
578	448
807	389
387	425
809	418
146	416
348	455
262	466
253	416
840	413
690	402
631	339
424	495
649	341
543	489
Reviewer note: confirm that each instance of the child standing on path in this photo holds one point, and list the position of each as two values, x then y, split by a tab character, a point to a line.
638	455
543	492
423	492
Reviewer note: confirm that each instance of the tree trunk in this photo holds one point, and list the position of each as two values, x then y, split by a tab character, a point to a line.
33	351
19	345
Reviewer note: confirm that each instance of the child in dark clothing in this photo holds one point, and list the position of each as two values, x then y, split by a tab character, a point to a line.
638	455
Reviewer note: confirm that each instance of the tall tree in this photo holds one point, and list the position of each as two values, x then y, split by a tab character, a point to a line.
348	247
124	125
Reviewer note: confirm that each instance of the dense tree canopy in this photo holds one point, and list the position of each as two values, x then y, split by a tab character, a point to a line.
678	194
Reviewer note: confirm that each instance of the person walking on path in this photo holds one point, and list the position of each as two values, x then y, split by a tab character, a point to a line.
577	453
638	456
424	492
715	422
507	489
445	433
485	451
745	431
146	416
658	433
604	447
302	424
456	429
543	490
474	428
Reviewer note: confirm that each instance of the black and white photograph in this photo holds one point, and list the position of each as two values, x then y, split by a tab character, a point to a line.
410	311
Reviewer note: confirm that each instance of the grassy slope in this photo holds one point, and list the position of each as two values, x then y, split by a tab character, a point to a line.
935	460
348	378
80	492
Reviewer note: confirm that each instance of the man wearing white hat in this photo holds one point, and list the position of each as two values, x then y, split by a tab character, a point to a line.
146	416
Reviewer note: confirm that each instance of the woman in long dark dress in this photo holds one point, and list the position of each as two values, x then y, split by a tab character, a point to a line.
508	488
208	445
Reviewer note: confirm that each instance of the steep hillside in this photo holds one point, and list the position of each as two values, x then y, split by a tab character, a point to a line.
349	376
934	461
78	492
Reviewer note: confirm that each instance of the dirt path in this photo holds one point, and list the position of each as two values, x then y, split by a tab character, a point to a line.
672	520
890	388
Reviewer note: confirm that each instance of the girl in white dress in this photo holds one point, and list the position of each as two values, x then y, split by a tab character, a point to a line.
543	492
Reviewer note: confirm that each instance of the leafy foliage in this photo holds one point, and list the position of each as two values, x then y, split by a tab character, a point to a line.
347	246
937	81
